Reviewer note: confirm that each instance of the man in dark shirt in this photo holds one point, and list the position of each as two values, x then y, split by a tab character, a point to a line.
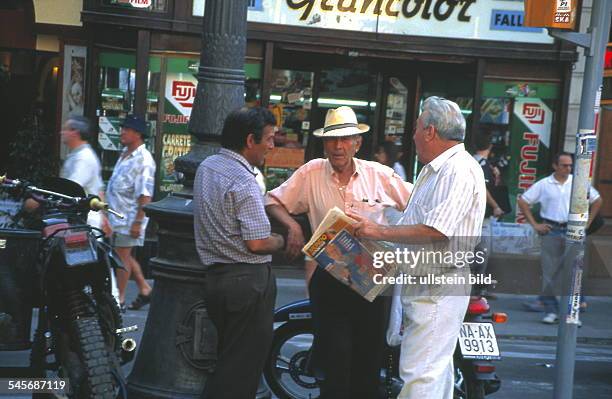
233	240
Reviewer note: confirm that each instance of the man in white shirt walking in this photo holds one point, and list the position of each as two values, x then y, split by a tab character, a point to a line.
83	167
553	194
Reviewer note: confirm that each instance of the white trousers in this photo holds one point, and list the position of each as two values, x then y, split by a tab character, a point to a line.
432	321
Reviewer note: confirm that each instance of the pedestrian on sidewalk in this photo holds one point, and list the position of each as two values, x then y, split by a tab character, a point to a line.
234	242
493	211
446	208
348	330
83	167
553	193
129	189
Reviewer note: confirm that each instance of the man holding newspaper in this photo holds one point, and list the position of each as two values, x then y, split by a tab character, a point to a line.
349	331
446	210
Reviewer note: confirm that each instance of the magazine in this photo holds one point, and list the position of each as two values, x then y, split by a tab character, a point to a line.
348	259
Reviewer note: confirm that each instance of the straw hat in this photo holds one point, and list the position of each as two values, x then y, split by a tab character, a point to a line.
341	122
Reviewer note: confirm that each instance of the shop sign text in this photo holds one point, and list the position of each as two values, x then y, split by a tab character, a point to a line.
527	166
184	92
439	9
510	20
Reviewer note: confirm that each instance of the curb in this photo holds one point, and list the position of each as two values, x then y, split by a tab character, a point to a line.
545	338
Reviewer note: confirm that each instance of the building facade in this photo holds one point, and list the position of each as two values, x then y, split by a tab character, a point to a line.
381	57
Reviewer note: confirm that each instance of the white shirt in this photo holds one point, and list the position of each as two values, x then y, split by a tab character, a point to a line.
133	177
450	196
554	197
83	166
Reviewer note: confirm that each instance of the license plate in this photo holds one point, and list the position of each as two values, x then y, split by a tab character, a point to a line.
478	341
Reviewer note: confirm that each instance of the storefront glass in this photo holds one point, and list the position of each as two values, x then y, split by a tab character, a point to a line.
177	86
116	84
291	104
519	117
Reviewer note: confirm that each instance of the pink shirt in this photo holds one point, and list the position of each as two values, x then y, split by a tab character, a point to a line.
314	188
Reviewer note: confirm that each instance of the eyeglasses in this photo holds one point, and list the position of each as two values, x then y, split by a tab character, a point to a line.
565	165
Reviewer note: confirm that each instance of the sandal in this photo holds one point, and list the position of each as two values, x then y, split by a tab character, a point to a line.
122	307
140	301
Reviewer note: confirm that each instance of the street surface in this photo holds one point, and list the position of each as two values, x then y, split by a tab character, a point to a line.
527	346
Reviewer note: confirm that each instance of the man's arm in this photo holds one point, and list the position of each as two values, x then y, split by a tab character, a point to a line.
140	214
407	234
295	235
265	246
540	228
594	210
497	211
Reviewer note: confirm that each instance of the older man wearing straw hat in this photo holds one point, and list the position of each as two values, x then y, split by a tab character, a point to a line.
349	331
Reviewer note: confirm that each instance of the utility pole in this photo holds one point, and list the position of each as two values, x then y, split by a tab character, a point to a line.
594	42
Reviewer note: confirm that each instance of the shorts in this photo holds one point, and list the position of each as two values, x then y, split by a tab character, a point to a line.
126	240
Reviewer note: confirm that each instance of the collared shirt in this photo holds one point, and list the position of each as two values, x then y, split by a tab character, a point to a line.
228	210
314	188
450	196
83	166
133	177
554	197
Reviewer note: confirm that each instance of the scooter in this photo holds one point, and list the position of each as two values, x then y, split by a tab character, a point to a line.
290	373
64	271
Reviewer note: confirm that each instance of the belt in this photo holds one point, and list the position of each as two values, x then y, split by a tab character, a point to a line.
224	267
554	224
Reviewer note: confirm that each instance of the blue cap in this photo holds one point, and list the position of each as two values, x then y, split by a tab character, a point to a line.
136	123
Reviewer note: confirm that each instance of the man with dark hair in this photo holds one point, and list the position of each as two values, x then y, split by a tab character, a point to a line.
491	173
234	243
129	189
553	193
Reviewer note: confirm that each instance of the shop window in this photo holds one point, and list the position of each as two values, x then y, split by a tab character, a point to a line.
116	88
180	84
291	103
456	87
518	117
154	6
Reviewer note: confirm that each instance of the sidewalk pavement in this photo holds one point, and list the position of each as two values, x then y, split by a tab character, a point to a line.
521	324
596	321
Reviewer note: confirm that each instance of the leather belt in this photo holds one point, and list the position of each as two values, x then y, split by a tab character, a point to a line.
554	224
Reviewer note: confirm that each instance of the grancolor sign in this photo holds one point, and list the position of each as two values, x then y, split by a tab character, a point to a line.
460	19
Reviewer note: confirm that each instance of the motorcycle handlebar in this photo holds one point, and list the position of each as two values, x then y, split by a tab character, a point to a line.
93	203
98	205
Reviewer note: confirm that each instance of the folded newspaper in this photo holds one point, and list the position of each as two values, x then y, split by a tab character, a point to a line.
335	248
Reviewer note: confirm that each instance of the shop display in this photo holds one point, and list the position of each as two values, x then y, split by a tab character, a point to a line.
290	102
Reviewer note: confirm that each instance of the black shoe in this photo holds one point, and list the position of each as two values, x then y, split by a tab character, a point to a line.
122	307
140	301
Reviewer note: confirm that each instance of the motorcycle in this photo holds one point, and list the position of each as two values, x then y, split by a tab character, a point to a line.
290	374
79	336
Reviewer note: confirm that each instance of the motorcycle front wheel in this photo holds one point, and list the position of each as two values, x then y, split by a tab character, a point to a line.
286	369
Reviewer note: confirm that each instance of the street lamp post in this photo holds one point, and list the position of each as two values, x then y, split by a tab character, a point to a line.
178	347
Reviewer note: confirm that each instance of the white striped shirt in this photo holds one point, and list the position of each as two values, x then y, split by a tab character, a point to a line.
450	196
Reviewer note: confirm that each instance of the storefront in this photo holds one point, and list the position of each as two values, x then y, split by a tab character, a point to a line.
380	57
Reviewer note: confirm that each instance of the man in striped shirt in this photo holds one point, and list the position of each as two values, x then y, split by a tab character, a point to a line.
234	243
444	215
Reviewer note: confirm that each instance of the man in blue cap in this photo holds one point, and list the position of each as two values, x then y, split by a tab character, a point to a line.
129	189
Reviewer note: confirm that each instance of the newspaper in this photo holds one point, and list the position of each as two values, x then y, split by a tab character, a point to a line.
351	261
